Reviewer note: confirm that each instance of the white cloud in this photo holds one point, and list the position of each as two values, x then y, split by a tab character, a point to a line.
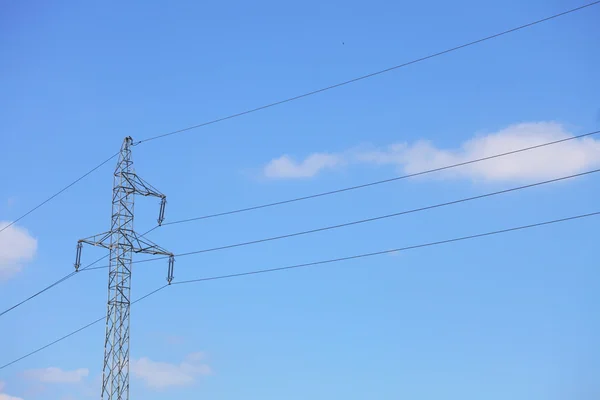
542	163
160	375
557	160
4	396
286	167
57	375
7	397
16	247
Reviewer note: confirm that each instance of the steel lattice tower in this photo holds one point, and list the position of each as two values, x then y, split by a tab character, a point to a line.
122	241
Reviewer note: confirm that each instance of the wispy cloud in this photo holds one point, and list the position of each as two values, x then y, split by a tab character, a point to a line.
286	167
4	396
17	246
542	163
552	161
160	375
57	375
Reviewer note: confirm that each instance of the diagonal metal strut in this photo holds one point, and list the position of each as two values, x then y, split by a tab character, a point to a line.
122	242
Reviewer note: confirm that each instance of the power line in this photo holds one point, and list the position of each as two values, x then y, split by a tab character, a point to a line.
89	267
347	189
273	204
418	246
539	21
312	93
61	280
264	271
75	331
59	192
362	221
52	343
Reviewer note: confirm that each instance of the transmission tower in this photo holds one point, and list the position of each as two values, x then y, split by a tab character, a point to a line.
122	241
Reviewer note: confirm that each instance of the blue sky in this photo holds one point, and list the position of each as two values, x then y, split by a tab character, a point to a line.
501	317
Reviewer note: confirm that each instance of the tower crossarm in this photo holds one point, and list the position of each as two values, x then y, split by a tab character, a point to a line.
144	245
100	240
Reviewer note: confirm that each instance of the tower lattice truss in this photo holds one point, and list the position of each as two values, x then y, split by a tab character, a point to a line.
122	242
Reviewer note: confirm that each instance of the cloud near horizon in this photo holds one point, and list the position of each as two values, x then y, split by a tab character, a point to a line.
542	163
17	247
4	396
161	375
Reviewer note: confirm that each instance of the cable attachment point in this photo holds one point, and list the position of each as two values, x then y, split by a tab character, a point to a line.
161	213
78	256
171	269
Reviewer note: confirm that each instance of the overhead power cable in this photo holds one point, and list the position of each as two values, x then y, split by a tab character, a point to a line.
89	267
539	21
330	261
76	331
363	77
362	221
61	280
365	185
59	192
400	249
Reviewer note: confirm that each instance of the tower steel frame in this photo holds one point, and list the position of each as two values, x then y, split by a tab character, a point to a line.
122	242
